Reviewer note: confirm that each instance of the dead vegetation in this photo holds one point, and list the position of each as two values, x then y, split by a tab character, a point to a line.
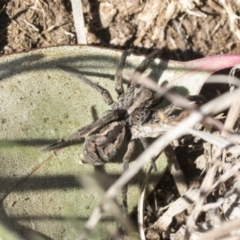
184	30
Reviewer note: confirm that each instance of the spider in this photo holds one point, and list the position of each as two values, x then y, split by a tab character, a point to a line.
104	137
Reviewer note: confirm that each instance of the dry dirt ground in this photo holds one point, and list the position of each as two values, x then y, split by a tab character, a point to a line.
184	30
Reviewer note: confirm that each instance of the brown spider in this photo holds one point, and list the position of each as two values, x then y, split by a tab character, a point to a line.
104	137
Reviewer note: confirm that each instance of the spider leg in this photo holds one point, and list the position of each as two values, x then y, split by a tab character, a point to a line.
145	146
105	93
109	116
143	66
146	62
118	75
126	159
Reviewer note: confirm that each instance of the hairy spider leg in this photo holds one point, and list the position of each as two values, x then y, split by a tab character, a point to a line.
104	92
118	79
126	160
145	146
109	116
146	62
143	66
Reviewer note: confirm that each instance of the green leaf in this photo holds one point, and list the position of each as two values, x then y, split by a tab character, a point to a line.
41	104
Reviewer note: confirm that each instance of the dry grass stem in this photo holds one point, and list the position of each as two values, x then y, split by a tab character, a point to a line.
141	205
175	208
92	185
226	228
79	21
176	171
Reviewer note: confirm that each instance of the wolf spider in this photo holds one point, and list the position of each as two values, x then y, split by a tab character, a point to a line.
104	137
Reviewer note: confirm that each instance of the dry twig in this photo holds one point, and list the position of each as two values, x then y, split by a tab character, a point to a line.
79	21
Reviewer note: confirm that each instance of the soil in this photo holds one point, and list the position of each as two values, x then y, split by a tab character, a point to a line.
184	30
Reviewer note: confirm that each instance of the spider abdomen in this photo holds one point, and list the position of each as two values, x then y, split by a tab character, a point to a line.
100	148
